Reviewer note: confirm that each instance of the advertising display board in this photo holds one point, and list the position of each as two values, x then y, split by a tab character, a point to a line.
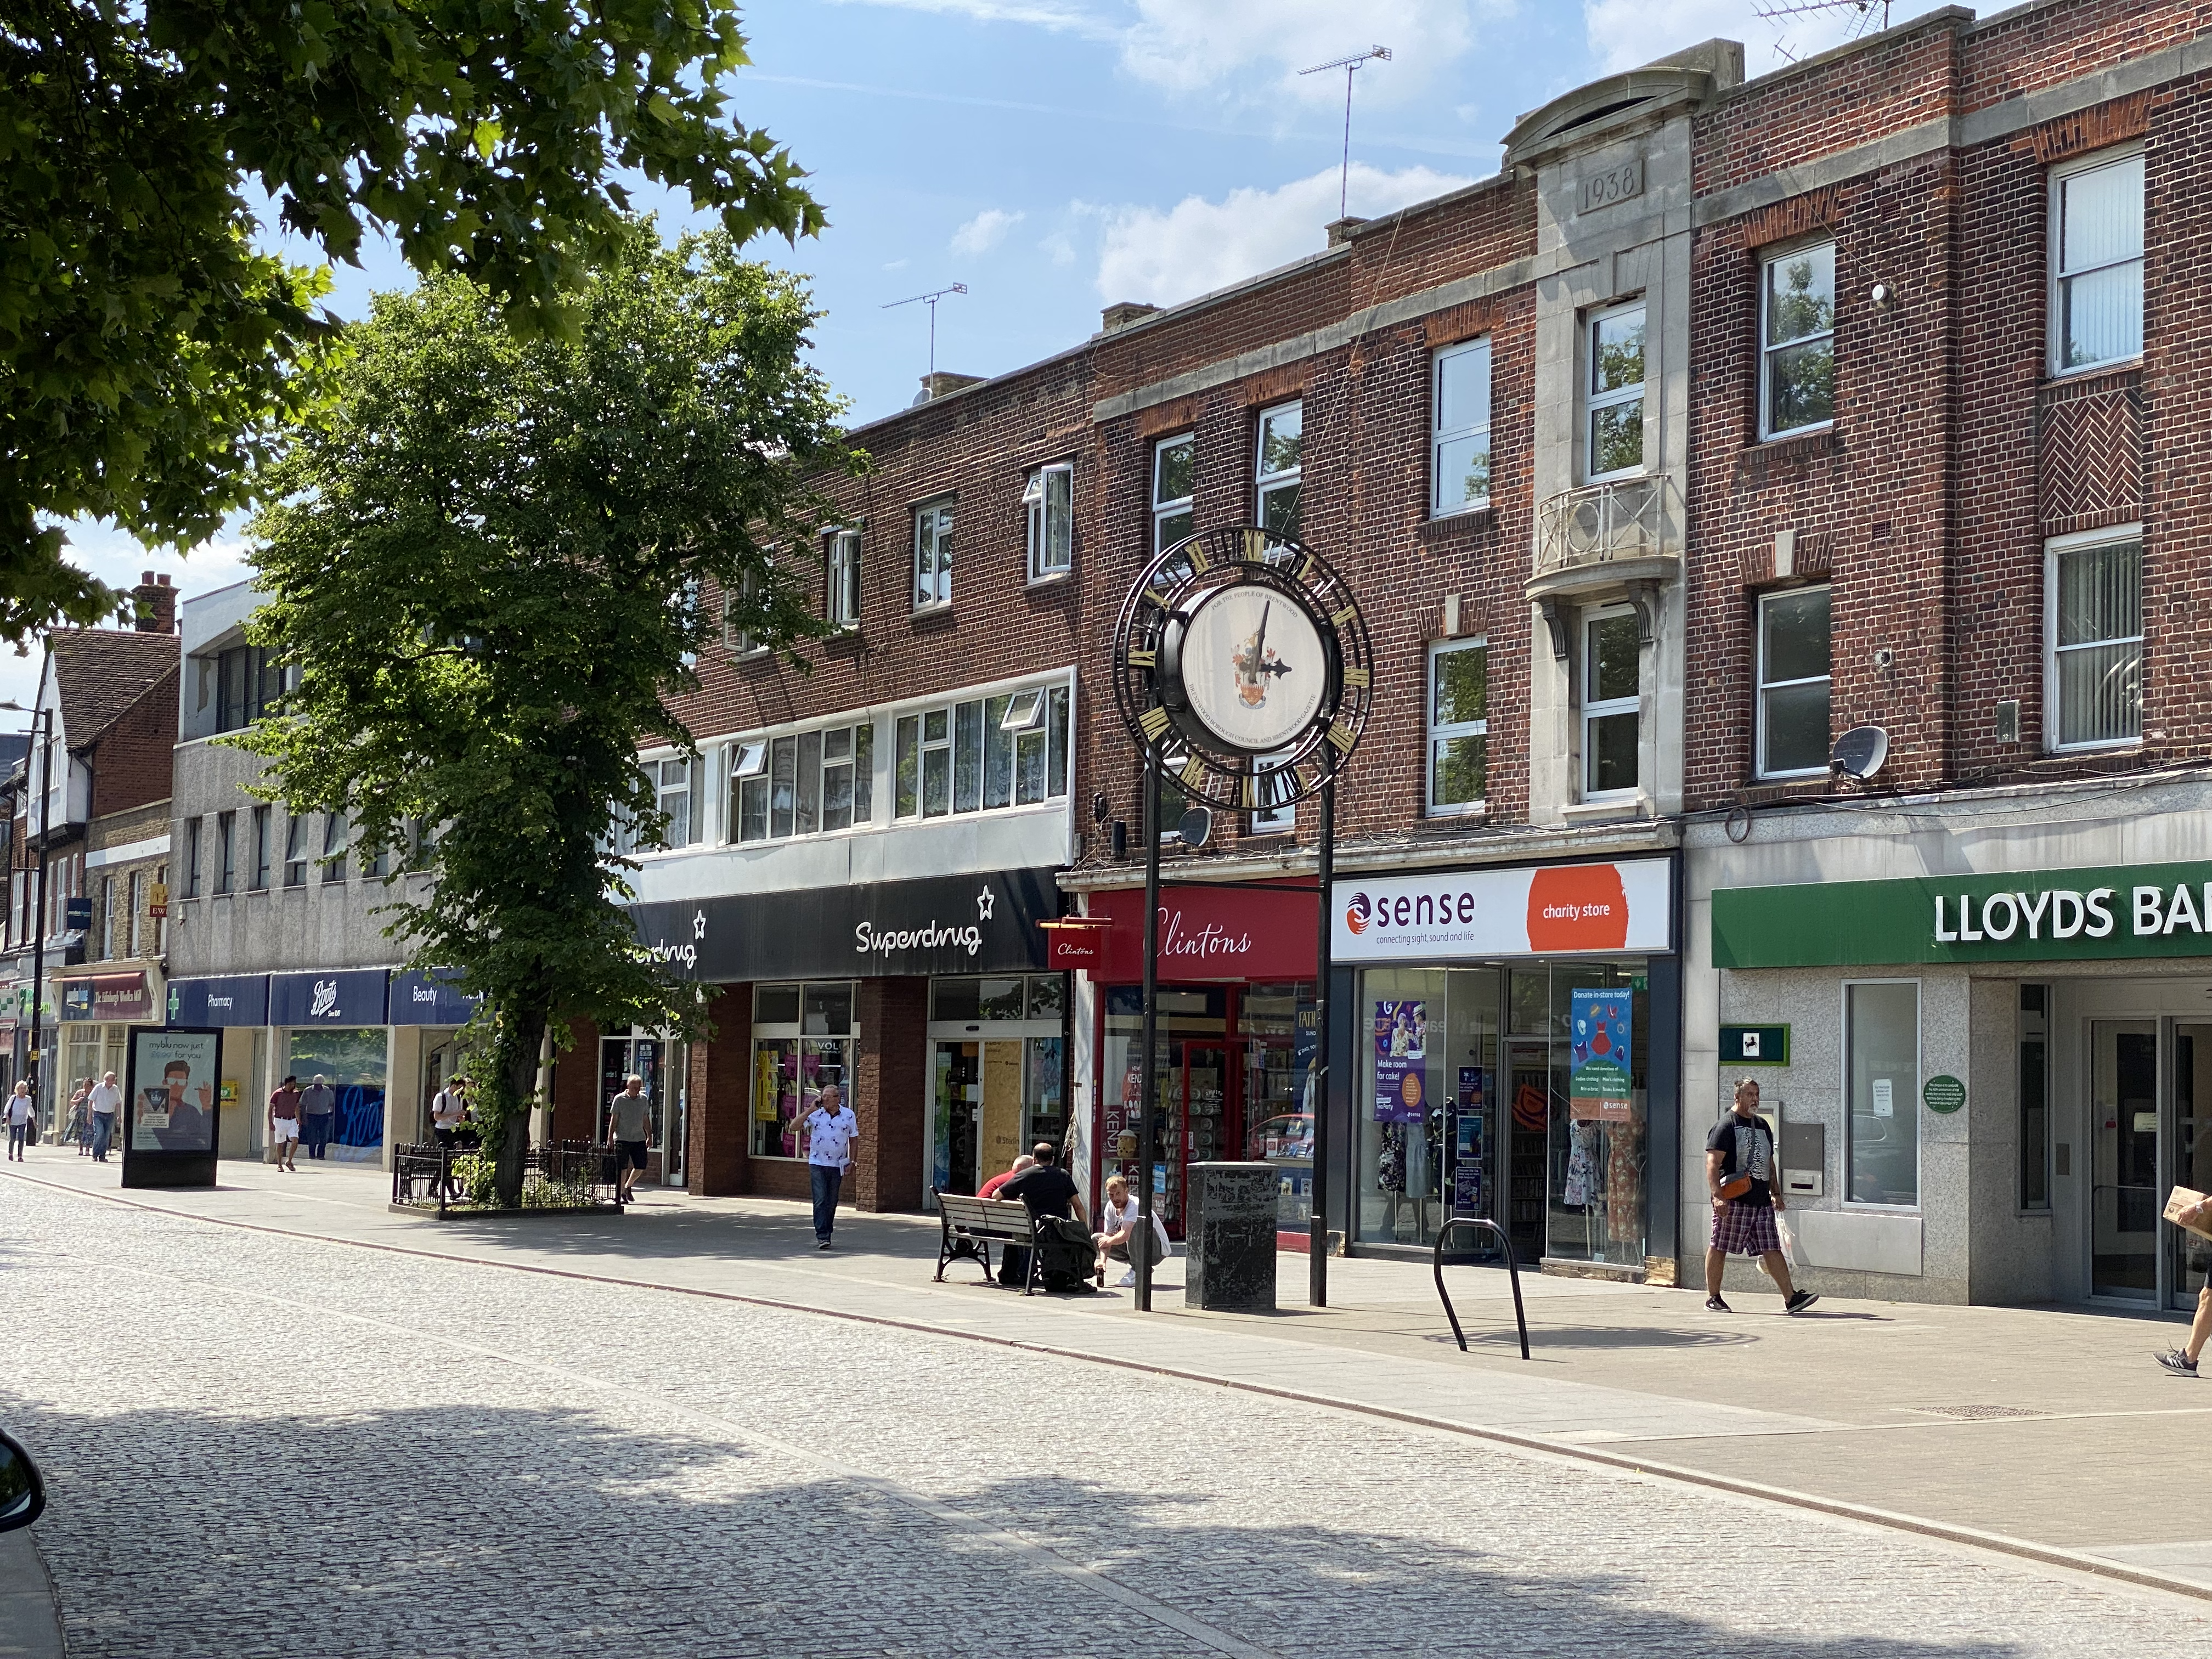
1547	910
172	1106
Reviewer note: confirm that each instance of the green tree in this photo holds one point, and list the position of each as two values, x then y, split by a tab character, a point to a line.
149	355
491	558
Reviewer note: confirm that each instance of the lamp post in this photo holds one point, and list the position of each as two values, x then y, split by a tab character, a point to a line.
40	717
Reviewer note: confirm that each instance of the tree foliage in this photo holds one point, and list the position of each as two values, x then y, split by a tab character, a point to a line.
494	555
148	354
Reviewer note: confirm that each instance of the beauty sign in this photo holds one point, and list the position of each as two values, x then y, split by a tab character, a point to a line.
1601	1023
1402	1051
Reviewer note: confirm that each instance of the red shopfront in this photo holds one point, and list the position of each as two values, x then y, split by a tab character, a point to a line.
1236	1035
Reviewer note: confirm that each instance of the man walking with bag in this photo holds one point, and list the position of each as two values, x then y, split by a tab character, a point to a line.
1740	1176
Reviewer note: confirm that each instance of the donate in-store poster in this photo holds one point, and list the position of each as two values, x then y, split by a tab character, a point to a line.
1402	1051
1598	1074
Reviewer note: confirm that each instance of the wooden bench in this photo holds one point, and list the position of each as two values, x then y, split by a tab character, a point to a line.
971	1224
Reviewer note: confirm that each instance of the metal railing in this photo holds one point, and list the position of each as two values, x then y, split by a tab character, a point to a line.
584	1173
1512	1273
1602	524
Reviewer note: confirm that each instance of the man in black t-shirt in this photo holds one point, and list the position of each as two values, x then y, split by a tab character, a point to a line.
1742	1145
1056	1212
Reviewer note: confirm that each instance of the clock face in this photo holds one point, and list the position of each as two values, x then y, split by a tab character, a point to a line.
1255	670
1241	659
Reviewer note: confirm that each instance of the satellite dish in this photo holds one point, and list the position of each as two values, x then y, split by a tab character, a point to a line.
1194	826
1861	752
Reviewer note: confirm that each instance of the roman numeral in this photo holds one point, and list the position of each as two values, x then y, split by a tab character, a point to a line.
1343	737
1143	658
1154	723
1256	547
1193	771
1346	615
1358	677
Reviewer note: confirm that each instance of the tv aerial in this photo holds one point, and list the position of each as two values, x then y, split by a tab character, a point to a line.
1867	16
929	300
1350	66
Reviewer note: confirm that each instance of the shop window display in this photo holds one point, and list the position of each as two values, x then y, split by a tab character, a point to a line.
998	1056
802	1042
354	1062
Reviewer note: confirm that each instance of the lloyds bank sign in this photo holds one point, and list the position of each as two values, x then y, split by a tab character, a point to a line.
2113	912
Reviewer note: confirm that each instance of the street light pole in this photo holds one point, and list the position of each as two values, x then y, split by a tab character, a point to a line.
45	716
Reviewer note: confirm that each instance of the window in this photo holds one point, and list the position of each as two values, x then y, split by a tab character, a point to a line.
2093	598
1459	442
1050	498
1459	726
740	612
226	837
2035	1036
1797	342
1174	482
134	931
677	794
1611	688
248	680
804	1037
1273	817
192	858
334	846
295	850
2097	264
803	783
1616	393
843	584
107	918
260	848
1793	682
1882	1087
983	754
933	555
1280	432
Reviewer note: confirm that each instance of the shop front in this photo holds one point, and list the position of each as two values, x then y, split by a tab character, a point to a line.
1987	1082
238	1006
1518	1037
927	1004
97	1013
333	1025
1236	1037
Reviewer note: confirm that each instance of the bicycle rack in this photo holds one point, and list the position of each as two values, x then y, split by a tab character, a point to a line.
1512	1273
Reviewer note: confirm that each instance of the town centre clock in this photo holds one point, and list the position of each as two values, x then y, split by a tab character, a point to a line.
1247	658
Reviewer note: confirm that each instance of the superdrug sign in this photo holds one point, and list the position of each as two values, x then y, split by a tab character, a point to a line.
981	924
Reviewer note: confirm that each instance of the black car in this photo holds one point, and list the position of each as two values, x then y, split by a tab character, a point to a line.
22	1494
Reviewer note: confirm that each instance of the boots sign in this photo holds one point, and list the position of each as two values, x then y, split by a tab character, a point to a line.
2112	912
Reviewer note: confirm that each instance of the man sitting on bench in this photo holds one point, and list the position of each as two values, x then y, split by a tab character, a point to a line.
1056	1208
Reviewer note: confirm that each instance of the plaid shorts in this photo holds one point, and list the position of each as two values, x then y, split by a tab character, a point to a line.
1745	1229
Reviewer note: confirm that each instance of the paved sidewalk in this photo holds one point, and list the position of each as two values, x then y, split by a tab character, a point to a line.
30	1626
2050	1425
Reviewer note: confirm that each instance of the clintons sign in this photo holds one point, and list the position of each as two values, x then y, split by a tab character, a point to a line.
1556	909
1246	933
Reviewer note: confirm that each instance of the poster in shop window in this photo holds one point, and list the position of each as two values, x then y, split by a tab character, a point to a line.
1598	1075
1401	1051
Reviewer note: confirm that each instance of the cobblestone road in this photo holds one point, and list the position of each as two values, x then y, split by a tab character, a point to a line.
262	1446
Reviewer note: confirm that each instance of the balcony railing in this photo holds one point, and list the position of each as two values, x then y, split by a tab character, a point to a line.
1609	523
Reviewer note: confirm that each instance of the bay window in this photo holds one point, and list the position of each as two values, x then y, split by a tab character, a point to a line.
982	753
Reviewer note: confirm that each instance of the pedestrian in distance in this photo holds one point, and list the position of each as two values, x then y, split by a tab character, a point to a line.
2182	1361
832	1133
1740	1176
80	1118
449	1109
106	1100
318	1106
284	1125
19	1107
629	1125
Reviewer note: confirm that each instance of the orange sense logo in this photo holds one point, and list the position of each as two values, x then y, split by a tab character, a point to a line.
1357	913
1577	907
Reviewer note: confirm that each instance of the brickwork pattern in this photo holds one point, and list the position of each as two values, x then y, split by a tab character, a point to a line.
888	1088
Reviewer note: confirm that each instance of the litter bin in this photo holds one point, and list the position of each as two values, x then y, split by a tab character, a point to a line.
1230	1241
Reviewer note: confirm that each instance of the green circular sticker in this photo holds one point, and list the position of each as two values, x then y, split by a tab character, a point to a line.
1943	1093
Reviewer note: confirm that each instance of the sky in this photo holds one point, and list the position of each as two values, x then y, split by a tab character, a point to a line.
1058	155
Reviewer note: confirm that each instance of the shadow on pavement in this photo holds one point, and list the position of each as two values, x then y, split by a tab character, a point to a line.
457	1530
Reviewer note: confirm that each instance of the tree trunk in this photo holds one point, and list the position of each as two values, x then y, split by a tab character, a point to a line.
518	1052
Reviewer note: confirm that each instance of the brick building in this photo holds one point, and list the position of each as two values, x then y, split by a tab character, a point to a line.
1732	414
92	803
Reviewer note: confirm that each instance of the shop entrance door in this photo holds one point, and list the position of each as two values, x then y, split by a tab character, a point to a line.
2188	1132
2123	1123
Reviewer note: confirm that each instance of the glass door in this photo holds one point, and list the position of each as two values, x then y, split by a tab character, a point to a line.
959	1100
2190	1134
2124	1199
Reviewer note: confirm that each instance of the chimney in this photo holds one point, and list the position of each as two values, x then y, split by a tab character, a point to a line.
942	382
1122	312
1340	230
155	604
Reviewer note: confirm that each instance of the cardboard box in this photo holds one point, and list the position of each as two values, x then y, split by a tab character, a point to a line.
2179	1200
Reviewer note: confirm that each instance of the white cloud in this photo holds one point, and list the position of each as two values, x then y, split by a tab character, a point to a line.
985	231
1628	33
1054	15
1188	44
1197	245
1059	248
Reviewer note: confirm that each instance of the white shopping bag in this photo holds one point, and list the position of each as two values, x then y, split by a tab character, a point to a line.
1788	1231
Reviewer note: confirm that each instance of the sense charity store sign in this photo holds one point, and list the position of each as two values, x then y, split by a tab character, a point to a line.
2110	912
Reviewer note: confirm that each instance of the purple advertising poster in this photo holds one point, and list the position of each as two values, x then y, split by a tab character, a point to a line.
1402	1051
